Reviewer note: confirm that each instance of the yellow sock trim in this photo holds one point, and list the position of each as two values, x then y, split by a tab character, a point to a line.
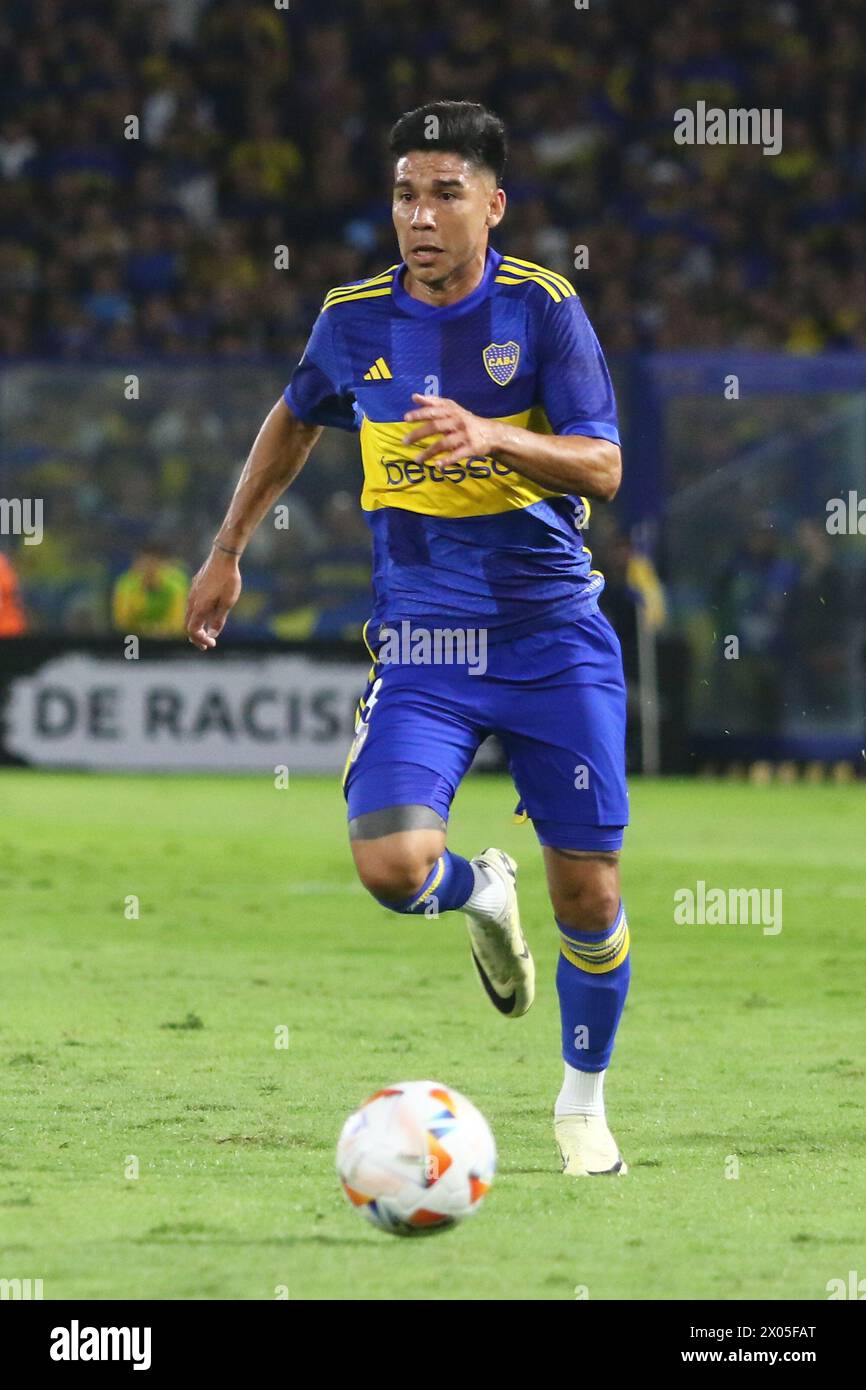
592	958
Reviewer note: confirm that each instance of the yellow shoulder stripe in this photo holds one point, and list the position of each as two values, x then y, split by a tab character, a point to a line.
363	287
349	298
363	284
515	264
523	278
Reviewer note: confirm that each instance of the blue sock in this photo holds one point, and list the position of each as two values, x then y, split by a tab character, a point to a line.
448	885
592	982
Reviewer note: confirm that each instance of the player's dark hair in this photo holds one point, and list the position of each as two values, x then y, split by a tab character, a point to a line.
461	127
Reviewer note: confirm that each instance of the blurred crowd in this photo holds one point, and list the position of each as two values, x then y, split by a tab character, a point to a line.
136	490
255	127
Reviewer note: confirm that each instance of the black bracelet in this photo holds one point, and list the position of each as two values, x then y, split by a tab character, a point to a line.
217	545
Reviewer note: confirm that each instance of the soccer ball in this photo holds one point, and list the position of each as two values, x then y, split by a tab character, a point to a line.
416	1157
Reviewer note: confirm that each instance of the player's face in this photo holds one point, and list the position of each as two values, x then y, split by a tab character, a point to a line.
443	209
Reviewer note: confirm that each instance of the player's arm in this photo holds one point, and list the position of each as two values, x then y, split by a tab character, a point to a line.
280	451
564	463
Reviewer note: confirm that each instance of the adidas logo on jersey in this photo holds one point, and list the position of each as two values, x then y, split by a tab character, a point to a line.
380	371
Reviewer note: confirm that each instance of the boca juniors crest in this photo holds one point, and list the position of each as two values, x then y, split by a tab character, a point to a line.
500	361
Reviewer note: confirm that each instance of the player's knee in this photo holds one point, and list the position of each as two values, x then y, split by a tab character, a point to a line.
391	876
586	905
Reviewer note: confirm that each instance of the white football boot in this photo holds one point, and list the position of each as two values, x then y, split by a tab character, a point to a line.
502	958
587	1147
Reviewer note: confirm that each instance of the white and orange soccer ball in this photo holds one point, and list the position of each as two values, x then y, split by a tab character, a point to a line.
416	1157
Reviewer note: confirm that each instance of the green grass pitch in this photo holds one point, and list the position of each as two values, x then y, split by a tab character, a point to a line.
154	1040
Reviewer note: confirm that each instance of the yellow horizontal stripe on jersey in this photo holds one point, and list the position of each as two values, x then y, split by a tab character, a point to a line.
358	294
515	262
369	283
472	487
525	280
337	296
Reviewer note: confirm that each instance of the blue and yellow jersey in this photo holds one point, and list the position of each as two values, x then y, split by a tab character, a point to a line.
472	544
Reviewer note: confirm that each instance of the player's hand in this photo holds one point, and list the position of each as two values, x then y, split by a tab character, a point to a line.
213	593
460	434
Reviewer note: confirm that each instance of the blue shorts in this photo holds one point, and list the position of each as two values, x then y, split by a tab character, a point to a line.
556	701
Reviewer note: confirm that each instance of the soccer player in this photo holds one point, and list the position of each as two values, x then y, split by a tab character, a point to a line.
486	420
